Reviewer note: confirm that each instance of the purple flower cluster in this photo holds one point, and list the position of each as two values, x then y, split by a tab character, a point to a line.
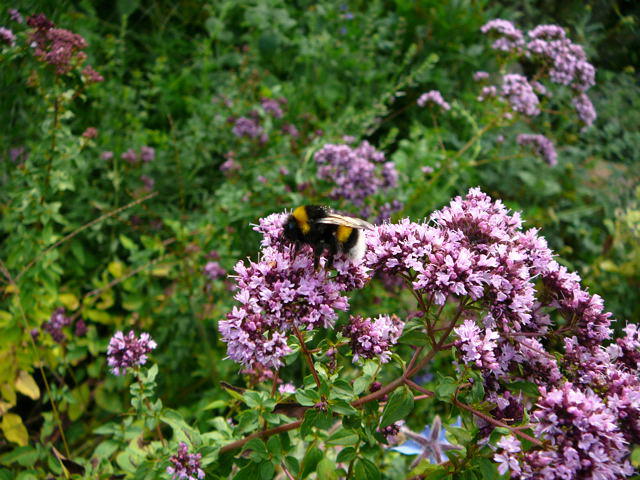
57	47
435	97
214	271
128	351
568	61
370	338
555	55
356	173
510	39
520	95
147	154
480	76
584	108
541	145
15	15
585	440
185	465
247	127
7	37
55	324
280	291
272	106
475	249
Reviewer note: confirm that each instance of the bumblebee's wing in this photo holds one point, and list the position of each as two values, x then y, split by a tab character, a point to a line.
337	219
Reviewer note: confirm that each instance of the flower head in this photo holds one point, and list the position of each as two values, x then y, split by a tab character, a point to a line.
128	351
185	465
370	338
520	95
247	127
509	38
7	37
435	97
541	145
214	271
55	324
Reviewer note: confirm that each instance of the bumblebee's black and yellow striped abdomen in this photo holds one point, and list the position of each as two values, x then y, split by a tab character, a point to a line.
323	229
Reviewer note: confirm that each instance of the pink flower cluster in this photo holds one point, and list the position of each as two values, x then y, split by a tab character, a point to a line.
435	97
127	351
520	95
59	47
357	172
185	465
280	291
370	338
555	55
541	145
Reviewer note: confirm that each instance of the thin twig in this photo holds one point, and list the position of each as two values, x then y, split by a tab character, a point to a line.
307	356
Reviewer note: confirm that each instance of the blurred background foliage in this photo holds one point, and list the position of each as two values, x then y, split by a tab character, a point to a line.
176	75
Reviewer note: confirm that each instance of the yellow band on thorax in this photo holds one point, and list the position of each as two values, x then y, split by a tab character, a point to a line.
300	214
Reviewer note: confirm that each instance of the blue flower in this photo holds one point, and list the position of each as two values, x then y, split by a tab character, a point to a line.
431	443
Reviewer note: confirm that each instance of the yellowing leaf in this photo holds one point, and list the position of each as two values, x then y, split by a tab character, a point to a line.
14	430
5	318
106	300
8	393
161	271
26	385
116	268
69	300
4	407
11	289
99	316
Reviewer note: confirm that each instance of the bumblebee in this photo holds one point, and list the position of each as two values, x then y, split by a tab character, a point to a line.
325	230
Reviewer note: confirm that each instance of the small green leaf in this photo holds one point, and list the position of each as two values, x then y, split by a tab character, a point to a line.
327	470
340	406
346	455
257	447
446	387
364	469
398	407
310	461
343	436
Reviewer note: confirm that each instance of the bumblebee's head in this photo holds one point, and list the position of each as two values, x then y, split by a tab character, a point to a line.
292	230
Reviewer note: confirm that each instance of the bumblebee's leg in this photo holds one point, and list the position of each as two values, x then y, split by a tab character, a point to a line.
318	249
333	250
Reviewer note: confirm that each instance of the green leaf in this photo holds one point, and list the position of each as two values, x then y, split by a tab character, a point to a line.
310	461
249	472
398	407
292	464
364	469
340	406
343	436
266	470
25	456
446	387
346	455
528	388
307	397
257	447
327	469
274	445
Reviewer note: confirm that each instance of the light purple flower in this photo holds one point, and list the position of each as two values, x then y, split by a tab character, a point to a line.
107	155
128	351
7	37
520	95
15	15
280	291
541	145
356	173
247	127
287	389
371	338
584	108
509	38
480	75
147	154
435	97
56	323
214	271
185	465
272	106
130	156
